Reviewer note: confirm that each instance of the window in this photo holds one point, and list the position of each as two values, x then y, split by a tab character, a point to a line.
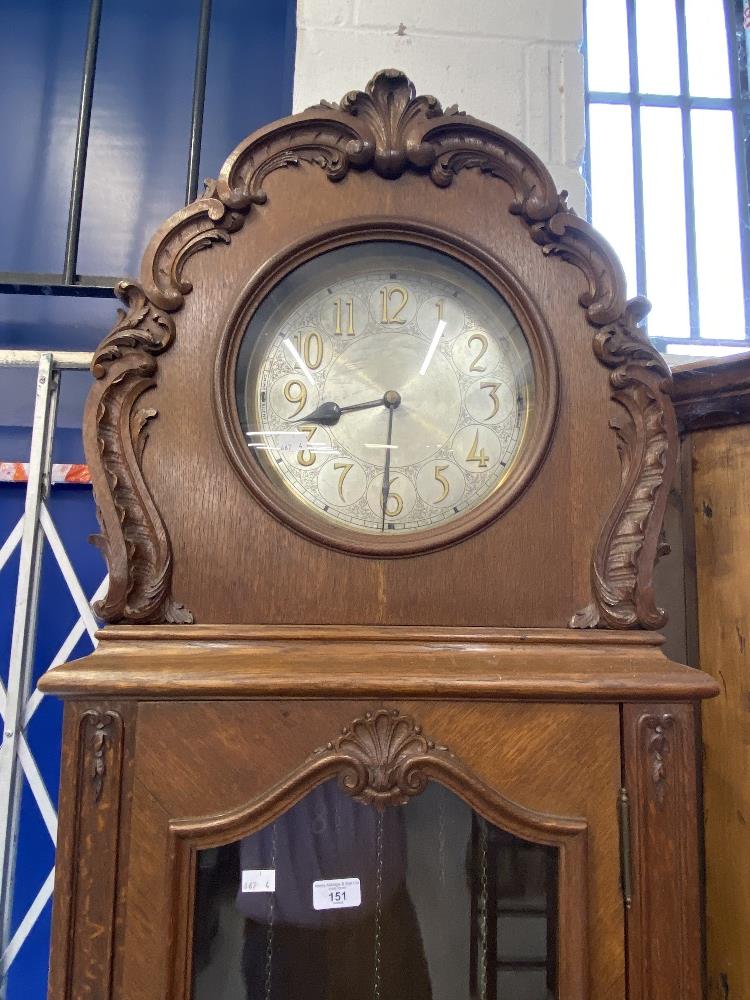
668	110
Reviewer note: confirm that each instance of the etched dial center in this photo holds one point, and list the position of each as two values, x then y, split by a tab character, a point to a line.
426	407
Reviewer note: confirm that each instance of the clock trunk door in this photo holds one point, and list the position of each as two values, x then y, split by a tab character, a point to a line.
290	868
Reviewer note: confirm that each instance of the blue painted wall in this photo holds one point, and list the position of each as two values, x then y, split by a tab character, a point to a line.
138	152
135	178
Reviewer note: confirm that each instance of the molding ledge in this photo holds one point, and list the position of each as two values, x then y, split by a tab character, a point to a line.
712	393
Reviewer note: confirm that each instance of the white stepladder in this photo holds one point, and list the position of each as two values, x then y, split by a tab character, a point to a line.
18	702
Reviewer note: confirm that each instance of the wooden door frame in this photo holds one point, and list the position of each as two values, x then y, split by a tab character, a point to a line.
383	759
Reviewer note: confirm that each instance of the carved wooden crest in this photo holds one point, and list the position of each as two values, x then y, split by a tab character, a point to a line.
390	130
382	756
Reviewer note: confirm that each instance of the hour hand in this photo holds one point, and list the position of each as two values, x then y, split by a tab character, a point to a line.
328	414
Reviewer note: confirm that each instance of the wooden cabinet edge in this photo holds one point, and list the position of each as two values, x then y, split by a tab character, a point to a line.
448	669
89	865
712	392
663	927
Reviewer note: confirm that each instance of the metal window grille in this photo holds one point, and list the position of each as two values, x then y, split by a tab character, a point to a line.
68	282
737	102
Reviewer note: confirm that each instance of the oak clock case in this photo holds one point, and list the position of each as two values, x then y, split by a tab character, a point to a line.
384	396
391	720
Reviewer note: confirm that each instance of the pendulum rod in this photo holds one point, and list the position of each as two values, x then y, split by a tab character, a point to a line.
269	928
482	909
441	837
378	903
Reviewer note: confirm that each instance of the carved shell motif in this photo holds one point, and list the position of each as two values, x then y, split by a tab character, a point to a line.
382	754
394	114
389	129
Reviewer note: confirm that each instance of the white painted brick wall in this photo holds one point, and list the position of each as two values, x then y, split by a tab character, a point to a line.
514	63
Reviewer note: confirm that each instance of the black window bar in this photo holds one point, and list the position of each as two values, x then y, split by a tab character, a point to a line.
738	103
68	282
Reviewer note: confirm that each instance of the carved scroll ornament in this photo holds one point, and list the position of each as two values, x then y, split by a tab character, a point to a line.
657	738
646	428
133	537
103	728
388	129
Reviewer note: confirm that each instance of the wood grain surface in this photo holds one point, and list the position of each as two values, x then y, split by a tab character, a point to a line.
92	851
712	392
349	662
532	755
664	922
721	506
188	537
288	578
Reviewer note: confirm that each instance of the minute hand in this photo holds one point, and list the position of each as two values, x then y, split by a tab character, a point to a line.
392	399
329	414
387	467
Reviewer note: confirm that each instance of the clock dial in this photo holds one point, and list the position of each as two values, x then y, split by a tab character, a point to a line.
386	387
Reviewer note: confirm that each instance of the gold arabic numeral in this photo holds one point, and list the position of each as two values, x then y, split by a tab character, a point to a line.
480	457
493	387
346	468
396	498
439	470
480	339
306	456
349	324
296	394
391	310
310	349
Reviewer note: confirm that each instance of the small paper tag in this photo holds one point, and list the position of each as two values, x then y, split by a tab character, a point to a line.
336	893
259	880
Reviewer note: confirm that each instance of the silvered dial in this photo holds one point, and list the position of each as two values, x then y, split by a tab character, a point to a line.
386	386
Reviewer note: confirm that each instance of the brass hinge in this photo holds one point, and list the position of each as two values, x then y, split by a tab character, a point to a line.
623	806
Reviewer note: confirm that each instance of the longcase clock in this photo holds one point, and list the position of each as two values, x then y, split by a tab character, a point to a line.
381	458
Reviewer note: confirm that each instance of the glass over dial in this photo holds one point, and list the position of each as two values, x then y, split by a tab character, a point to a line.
386	386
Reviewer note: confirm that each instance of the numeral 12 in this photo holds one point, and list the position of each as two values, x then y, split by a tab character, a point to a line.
387	304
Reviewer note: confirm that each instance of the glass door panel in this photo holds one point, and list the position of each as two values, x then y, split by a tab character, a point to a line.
342	901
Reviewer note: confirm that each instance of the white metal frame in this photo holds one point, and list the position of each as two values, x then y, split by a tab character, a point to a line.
18	702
